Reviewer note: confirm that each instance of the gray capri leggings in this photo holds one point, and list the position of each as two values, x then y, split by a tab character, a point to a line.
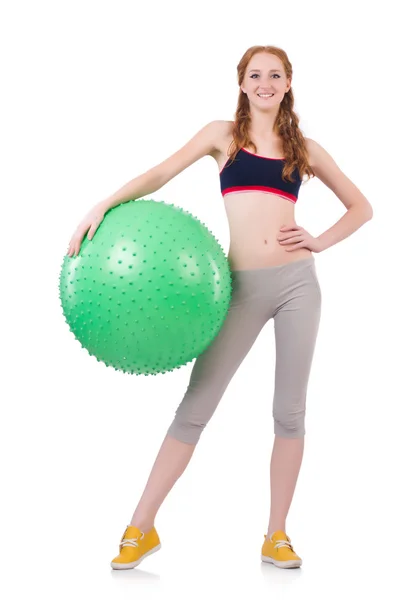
291	295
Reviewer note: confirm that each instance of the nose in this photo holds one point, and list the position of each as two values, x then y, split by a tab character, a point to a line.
265	85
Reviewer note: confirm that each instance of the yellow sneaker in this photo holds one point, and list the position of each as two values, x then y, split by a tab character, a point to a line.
279	551
135	546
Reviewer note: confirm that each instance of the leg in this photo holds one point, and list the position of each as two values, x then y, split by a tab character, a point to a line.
296	325
210	376
172	459
284	470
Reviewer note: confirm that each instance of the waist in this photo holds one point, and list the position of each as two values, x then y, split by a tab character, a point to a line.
260	249
255	220
243	258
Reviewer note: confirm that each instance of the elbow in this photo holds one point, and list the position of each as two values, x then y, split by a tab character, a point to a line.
364	209
369	213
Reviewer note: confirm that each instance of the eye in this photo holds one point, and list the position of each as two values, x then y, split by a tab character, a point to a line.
256	74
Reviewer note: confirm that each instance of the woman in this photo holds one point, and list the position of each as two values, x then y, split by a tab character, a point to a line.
262	157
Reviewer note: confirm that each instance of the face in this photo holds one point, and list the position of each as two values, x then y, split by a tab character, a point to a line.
265	75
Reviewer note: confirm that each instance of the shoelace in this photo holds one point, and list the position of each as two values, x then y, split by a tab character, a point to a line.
133	542
281	543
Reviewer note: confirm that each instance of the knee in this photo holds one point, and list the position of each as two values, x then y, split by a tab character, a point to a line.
190	417
289	424
186	430
195	411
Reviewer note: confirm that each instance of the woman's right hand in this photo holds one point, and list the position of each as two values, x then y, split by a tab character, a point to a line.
90	223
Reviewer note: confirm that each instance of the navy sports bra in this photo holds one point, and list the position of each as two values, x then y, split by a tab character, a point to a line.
251	172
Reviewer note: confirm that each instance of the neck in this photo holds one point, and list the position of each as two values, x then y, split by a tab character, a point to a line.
262	124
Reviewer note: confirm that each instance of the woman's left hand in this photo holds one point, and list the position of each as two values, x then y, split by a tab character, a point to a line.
294	237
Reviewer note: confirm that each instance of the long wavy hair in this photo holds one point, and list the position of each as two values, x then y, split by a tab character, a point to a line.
286	125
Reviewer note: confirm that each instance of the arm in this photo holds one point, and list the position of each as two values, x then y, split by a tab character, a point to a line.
359	210
203	143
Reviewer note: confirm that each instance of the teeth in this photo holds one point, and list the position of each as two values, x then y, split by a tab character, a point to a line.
265	95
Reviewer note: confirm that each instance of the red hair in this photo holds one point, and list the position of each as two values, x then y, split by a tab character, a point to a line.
286	125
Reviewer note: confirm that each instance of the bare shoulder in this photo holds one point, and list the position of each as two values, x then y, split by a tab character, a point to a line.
321	161
223	132
311	149
225	127
217	132
319	158
224	135
208	141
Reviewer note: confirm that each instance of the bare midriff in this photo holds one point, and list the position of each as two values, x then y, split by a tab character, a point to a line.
255	219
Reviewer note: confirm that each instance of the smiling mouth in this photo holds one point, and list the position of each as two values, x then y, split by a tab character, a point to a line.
265	95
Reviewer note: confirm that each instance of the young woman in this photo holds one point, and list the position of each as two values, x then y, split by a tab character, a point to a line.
262	158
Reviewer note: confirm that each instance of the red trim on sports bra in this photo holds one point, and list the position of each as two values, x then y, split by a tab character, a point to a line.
260	188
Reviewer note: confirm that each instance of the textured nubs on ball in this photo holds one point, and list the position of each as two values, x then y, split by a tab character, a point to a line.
150	291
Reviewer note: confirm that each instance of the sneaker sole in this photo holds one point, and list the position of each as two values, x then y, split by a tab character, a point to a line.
131	565
284	564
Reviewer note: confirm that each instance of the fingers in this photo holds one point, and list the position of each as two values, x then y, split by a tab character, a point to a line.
91	232
290	239
289	231
72	250
292	227
94	226
90	223
75	243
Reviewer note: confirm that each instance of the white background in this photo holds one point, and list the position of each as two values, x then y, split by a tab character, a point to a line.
95	93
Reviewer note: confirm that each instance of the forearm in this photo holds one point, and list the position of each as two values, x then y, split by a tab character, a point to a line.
140	186
352	220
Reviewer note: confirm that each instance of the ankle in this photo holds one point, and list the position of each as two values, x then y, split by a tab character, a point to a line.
144	525
271	530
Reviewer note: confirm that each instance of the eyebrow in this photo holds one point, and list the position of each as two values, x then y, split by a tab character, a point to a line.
271	70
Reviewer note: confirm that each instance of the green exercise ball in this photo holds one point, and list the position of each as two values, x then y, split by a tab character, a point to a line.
150	291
